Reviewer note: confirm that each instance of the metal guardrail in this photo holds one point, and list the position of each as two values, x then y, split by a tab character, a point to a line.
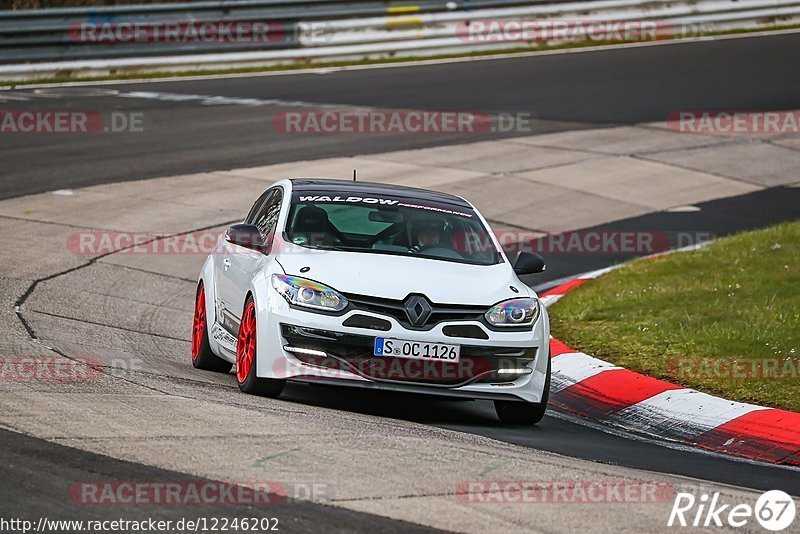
54	34
52	40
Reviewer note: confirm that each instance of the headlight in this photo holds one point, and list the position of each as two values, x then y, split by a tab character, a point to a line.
308	294
514	312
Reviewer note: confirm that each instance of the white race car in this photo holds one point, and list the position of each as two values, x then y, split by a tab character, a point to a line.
378	286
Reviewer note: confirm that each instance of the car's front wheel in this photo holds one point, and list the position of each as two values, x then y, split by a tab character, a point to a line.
202	355
246	360
524	413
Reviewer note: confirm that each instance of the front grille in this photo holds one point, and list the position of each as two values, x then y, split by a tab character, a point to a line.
397	309
354	353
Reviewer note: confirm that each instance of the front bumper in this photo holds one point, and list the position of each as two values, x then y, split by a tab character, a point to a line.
313	347
353	353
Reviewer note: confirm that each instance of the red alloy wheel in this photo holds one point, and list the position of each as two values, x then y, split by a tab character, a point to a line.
246	344
199	325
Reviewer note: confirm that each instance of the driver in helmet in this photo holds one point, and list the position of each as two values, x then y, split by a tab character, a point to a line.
427	233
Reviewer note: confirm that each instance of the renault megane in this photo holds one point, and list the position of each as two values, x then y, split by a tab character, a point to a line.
377	286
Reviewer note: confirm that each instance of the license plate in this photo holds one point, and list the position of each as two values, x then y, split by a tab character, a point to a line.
417	350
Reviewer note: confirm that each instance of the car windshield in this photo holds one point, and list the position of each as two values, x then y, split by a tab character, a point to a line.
389	225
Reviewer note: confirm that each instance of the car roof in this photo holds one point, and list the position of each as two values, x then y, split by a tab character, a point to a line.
372	188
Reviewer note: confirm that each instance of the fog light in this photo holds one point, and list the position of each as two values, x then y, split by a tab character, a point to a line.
301	350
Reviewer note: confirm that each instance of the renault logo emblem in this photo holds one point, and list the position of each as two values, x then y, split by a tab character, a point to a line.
418	310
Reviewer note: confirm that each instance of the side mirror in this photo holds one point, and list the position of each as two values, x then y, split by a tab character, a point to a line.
246	235
528	263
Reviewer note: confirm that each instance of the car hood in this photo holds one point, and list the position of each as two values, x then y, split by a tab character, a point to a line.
394	277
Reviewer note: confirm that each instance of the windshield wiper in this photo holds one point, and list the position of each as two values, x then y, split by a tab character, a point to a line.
342	248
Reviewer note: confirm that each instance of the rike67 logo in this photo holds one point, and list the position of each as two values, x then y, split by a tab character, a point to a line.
774	510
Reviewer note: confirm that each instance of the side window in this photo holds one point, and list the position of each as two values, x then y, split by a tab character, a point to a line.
266	216
257	206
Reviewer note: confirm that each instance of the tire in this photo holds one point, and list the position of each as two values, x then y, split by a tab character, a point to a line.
246	360
202	356
524	413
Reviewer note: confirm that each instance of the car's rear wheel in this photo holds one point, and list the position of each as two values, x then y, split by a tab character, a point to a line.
524	413
246	360
202	356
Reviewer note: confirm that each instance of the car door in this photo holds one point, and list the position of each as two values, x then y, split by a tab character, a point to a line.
239	264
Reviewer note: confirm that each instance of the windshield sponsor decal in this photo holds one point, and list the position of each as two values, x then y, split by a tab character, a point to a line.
378	201
437	210
357	200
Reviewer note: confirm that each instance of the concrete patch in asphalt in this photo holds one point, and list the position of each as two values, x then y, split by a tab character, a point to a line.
540	206
90	307
624	140
105	279
113	208
757	162
110	342
788	142
653	186
490	156
407	170
184	265
33	249
215	190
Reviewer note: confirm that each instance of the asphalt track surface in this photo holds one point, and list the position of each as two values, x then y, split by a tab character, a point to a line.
45	474
565	91
562	91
